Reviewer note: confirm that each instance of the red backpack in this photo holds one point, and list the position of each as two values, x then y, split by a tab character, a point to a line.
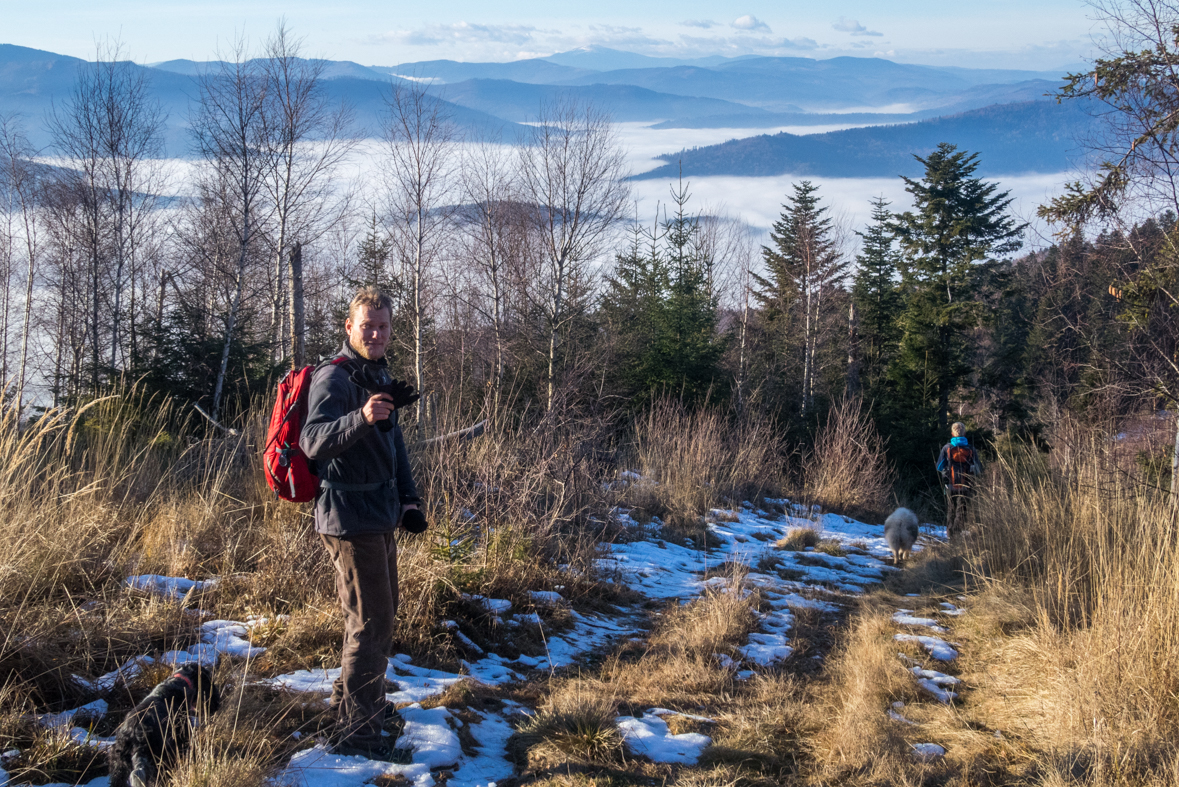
288	471
961	467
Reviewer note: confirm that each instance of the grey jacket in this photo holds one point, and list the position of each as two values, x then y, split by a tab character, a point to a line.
349	452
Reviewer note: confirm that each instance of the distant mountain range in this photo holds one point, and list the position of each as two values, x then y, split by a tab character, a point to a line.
716	92
1034	136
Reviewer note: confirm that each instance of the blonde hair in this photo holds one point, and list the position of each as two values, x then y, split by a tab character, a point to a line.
958	429
372	298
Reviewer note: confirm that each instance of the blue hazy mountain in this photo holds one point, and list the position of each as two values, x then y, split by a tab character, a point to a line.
600	58
777	83
1000	113
520	102
33	83
332	69
534	71
1034	136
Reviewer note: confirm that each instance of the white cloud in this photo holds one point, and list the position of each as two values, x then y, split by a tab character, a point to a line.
853	26
704	23
461	33
750	22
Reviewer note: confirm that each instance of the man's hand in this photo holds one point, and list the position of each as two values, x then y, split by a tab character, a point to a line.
375	381
412	519
378	408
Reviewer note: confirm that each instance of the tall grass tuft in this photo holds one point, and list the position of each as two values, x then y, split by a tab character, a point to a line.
1097	557
701	459
847	469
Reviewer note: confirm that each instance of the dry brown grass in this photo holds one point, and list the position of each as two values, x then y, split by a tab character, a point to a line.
857	739
700	459
1097	562
846	469
125	486
572	727
798	539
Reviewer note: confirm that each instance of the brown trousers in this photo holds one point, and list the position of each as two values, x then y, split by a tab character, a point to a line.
366	581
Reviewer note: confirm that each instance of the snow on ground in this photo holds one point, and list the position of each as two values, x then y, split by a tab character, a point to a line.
169	587
650	737
928	751
937	647
661	570
905	618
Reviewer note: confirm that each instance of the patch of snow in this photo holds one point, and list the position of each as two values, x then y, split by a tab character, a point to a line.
463	639
649	737
490	764
766	649
950	609
168	587
928	751
546	597
942	695
55	721
202	653
904	617
129	671
896	716
665	712
228	638
496	606
426	732
940	678
86	738
938	648
318	768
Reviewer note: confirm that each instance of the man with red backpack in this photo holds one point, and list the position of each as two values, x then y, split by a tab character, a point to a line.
366	489
958	464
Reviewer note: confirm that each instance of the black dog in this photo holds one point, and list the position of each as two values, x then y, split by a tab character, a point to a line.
157	729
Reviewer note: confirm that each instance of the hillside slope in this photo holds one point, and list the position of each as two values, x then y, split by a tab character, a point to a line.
1035	136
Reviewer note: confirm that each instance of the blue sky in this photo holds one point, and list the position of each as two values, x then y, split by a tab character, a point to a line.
1034	34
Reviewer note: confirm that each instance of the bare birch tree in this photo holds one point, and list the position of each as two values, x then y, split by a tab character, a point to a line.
19	178
418	168
309	138
111	130
494	238
571	170
230	134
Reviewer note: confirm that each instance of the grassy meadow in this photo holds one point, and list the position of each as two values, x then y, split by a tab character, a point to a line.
1070	576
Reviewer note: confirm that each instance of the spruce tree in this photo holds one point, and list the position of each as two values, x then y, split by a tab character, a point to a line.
877	298
957	221
691	308
660	309
633	308
804	269
372	261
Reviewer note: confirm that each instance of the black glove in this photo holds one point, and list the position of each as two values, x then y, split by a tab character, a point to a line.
414	520
374	380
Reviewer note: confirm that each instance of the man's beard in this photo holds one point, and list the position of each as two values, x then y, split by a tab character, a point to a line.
363	352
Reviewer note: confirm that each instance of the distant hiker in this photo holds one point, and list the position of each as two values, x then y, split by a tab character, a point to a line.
366	489
959	465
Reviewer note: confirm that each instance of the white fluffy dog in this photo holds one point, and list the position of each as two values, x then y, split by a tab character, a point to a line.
900	533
